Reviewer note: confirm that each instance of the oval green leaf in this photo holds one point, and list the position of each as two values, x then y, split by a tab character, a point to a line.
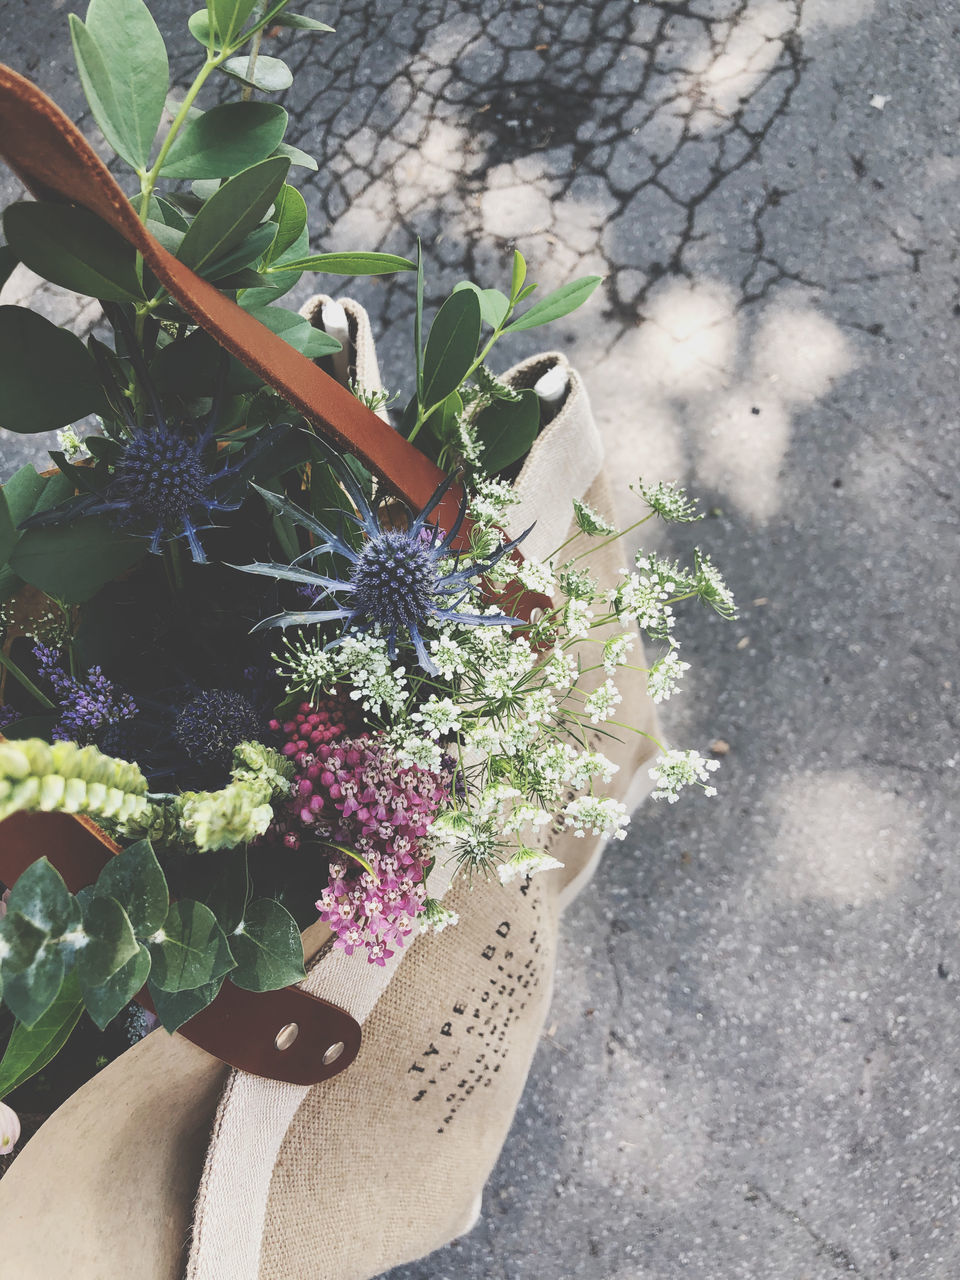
233	211
72	247
110	942
229	16
506	430
451	346
105	1001
135	58
29	1051
32	351
72	562
174	1008
134	877
269	75
225	140
267	948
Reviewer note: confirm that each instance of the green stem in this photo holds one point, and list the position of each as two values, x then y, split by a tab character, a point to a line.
424	414
254	51
24	680
614	537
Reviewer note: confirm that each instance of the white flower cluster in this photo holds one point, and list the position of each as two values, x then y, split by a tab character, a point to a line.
490	502
675	770
663	678
669	501
599	814
527	862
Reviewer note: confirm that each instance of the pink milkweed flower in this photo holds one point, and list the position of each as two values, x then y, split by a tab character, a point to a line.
9	1129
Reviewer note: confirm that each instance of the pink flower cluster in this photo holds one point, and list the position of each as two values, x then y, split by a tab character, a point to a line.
353	793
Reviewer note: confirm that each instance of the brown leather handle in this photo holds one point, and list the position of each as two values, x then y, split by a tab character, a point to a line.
239	1027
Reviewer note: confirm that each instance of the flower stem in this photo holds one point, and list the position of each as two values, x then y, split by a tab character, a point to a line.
24	680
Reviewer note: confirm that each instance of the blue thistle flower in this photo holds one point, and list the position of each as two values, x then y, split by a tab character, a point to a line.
399	581
167	479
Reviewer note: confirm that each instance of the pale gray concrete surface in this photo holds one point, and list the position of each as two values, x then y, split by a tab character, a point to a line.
752	1066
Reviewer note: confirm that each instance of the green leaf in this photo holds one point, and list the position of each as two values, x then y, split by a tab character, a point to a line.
190	367
352	264
42	898
559	303
8	263
170	237
300	333
31	727
267	947
167	213
225	140
506	430
29	993
29	1051
200	27
72	562
229	16
23	941
105	1001
519	274
412	410
135	878
8	531
189	950
300	23
47	377
135	59
250	249
290	214
451	346
176	1008
444	424
297	157
22	492
493	304
269	75
233	212
72	247
110	942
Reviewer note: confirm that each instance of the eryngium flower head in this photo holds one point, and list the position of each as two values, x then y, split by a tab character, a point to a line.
213	723
399	581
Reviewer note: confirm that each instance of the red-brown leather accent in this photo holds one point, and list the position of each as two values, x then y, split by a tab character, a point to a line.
239	1027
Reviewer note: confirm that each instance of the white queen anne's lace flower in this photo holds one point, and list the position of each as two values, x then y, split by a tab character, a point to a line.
675	770
601	704
663	678
669	501
599	814
527	862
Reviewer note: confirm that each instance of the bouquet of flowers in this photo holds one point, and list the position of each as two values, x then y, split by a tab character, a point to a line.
282	691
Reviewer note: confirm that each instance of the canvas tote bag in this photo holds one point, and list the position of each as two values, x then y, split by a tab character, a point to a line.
450	1025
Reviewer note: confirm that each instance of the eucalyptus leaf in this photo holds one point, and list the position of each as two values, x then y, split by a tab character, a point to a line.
72	562
226	139
23	941
229	16
174	1008
451	346
267	947
352	264
189	950
269	75
506	430
235	210
290	215
249	250
300	23
41	896
296	330
105	1001
135	59
297	157
559	303
493	304
30	1050
72	247
135	878
110	942
29	993
200	27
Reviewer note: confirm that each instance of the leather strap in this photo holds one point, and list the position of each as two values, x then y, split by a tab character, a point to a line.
239	1027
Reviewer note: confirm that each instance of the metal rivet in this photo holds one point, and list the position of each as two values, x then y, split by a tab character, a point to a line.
536	615
286	1036
333	1053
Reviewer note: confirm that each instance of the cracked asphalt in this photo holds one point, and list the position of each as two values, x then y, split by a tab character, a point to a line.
751	1068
